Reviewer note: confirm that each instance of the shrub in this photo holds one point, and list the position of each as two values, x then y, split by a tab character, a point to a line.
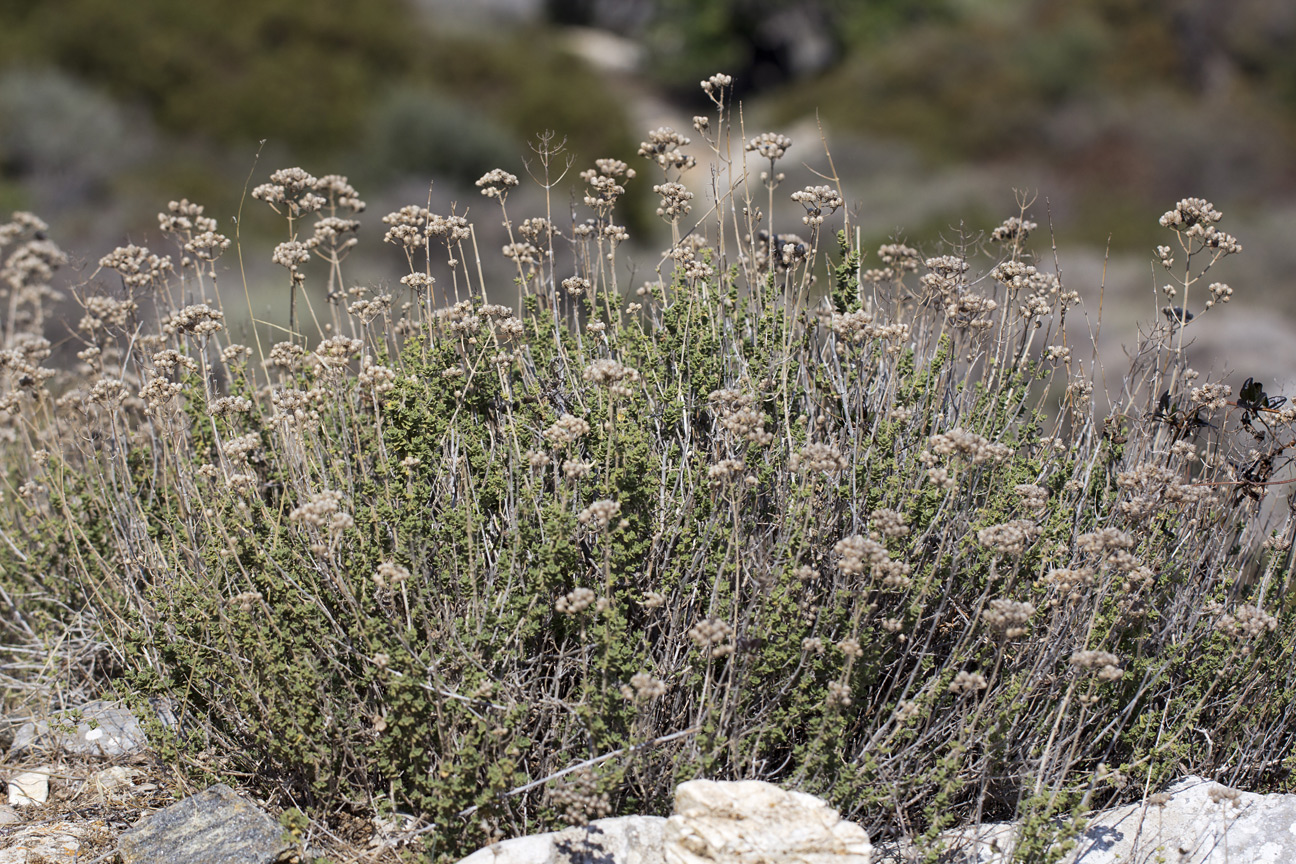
867	531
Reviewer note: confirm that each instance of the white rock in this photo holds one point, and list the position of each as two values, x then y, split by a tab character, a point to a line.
1198	825
48	841
30	787
752	822
619	840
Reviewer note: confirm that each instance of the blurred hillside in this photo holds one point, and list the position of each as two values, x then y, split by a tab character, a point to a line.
935	111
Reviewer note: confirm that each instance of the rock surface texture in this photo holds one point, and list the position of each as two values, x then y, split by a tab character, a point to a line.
104	729
747	822
215	826
619	840
751	822
1197	822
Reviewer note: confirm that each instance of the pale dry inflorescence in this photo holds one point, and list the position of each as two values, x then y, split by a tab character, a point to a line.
1011	617
599	514
713	637
1108	665
818	457
1009	538
611	374
858	555
578	600
323	510
967	683
567	430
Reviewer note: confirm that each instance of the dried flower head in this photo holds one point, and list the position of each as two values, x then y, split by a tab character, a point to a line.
1012	617
769	145
712	636
497	183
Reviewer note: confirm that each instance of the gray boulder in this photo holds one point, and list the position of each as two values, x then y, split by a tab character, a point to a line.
215	826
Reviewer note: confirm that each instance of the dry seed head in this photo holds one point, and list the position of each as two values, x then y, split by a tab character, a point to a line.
890	523
906	711
968	683
726	469
769	145
199	319
319	510
1189	212
1009	616
1033	497
712	636
574	469
663	147
1070	581
566	431
816	199
600	514
240	449
850	647
497	183
1225	796
579	796
1009	538
611	374
1104	541
941	478
246	601
969	445
675	198
713	85
138	267
339	192
521	253
818	457
105	311
839	694
1247	622
575	601
1107	664
646	686
1012	230
336	352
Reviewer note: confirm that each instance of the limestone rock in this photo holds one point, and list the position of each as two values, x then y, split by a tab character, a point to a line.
1201	823
752	822
48	841
215	826
115	733
29	787
619	840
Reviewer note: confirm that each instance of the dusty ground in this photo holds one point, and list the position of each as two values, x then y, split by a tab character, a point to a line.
93	800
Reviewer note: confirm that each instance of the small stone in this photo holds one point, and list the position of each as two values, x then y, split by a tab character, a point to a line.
112	778
30	787
8	815
215	826
105	729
